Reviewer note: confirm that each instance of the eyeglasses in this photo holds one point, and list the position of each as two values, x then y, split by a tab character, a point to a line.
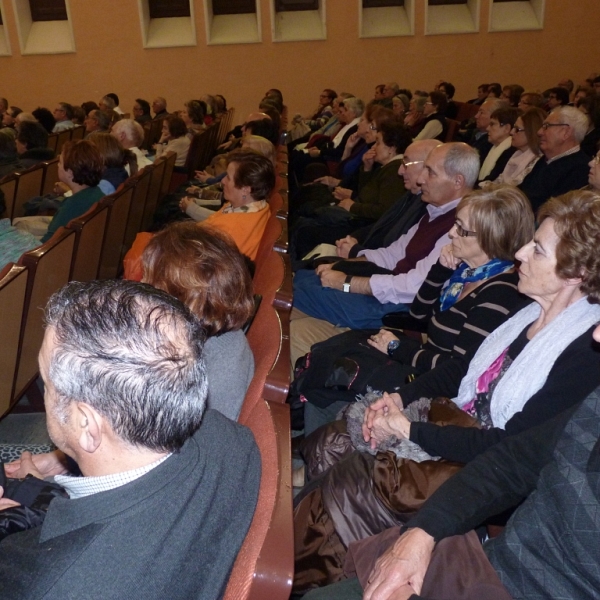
412	162
596	159
464	232
373	127
429	103
518	129
546	125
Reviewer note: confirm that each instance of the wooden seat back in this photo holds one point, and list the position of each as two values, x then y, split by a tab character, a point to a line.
63	138
264	567
8	185
273	277
48	268
141	181
13	288
29	185
50	176
452	129
466	111
89	236
78	133
112	248
156	179
52	141
170	158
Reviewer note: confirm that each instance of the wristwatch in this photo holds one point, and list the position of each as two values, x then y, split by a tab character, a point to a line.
393	346
346	285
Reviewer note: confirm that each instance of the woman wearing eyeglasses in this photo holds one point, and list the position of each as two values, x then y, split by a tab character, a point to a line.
501	123
467	294
525	139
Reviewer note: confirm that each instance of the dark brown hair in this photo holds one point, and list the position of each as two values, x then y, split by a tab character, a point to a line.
83	159
253	170
202	268
176	126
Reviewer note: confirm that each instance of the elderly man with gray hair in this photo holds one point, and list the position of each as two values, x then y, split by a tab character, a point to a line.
358	294
166	490
564	166
131	135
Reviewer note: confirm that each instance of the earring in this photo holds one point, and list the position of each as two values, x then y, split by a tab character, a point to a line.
244	197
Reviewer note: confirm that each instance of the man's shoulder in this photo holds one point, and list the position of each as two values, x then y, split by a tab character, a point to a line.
217	432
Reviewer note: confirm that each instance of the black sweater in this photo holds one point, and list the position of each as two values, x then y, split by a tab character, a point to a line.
550	547
575	374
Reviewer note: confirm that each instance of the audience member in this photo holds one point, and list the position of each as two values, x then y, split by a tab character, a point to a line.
451	107
193	115
159	107
45	118
478	138
141	111
114	159
79	115
525	140
494	90
434	124
125	400
530	100
97	120
9	117
558	96
63	114
174	138
482	94
502	121
88	106
32	145
564	166
512	94
203	268
131	135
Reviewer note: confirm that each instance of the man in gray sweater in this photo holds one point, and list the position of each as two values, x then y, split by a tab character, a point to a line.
166	491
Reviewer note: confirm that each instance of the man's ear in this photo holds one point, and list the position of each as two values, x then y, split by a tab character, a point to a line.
459	181
88	423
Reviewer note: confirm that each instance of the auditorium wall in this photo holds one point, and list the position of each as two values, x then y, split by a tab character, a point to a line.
110	56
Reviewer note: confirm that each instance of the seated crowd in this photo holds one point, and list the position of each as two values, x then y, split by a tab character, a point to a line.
446	301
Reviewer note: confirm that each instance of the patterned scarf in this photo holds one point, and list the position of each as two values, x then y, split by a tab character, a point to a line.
465	274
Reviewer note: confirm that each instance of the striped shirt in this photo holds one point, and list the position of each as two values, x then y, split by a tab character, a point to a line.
464	325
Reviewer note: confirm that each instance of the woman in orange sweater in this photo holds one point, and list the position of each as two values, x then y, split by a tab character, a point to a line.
249	181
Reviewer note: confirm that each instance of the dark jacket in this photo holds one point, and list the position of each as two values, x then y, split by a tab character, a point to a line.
32	157
173	533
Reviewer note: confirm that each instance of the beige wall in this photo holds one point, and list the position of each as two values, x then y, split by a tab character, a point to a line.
110	57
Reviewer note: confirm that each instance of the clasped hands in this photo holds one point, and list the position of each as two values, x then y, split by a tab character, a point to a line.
383	419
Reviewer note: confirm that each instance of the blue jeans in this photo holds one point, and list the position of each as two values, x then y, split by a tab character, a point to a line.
356	311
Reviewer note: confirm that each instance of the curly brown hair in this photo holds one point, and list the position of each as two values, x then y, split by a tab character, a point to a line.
203	268
576	217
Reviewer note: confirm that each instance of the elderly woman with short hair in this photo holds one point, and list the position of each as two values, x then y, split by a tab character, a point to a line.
502	120
174	138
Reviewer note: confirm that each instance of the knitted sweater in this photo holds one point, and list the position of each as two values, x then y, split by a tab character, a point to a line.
551	545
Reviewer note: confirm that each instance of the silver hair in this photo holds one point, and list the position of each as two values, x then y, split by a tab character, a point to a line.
393	86
496	103
575	119
110	103
356	105
133	131
133	353
463	160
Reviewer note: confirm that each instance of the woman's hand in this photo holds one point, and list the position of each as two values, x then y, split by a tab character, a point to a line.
194	189
38	465
314	152
352	141
381	340
368	159
404	564
184	203
378	410
202	176
447	259
341	193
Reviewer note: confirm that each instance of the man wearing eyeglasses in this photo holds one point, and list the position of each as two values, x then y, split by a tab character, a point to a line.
564	166
63	113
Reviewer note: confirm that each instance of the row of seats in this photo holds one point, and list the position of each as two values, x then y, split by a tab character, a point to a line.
264	566
90	247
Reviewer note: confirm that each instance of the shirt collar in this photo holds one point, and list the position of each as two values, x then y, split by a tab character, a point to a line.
438	211
78	487
566	153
